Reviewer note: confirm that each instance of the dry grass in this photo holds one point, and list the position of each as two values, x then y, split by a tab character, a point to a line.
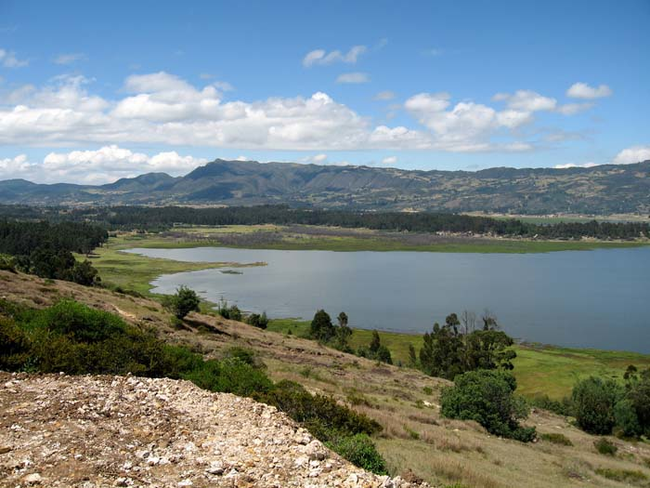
415	437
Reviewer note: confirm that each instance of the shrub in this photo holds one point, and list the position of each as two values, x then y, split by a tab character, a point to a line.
183	302
560	407
486	396
594	400
81	323
603	446
360	451
627	422
321	414
14	346
556	438
257	320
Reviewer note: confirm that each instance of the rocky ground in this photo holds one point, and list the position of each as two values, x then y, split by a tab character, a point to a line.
128	431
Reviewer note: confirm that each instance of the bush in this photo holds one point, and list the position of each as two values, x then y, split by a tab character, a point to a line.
556	438
257	320
321	414
593	400
183	302
560	407
627	422
360	451
486	396
603	446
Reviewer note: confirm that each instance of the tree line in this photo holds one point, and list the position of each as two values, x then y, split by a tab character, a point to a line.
45	249
162	218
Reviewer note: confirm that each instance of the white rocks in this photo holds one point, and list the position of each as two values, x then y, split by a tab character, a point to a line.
33	479
128	431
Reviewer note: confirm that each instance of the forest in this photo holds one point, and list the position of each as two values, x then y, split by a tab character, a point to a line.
162	218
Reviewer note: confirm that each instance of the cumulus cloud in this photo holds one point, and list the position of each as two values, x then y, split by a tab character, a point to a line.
467	126
322	57
584	91
103	165
631	155
69	58
164	109
573	108
353	78
526	101
8	59
389	160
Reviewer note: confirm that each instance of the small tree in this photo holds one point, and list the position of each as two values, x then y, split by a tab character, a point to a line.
183	302
487	396
594	400
322	328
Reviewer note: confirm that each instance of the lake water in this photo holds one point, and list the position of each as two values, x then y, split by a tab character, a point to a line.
595	299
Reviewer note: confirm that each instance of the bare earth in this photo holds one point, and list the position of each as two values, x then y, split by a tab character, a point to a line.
127	431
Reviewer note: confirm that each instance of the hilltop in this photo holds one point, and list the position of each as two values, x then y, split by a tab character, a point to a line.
599	190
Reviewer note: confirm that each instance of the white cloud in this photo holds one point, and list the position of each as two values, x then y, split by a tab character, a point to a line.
69	58
353	78
390	160
384	95
574	165
467	126
526	101
163	109
584	91
103	165
631	155
319	158
322	57
8	59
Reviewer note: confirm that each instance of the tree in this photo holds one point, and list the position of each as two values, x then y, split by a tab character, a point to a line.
487	397
413	359
342	319
183	302
594	400
322	328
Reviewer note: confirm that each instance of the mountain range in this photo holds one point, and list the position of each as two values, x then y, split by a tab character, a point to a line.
605	189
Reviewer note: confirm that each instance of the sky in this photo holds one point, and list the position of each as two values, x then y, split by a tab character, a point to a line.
91	92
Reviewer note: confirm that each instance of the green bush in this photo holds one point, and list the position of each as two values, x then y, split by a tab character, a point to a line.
80	323
603	446
257	320
556	438
560	407
486	396
627	421
183	302
322	415
360	451
593	400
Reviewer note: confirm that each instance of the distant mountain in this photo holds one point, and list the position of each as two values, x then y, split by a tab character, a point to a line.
603	189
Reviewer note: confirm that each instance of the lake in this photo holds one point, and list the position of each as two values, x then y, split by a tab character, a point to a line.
597	299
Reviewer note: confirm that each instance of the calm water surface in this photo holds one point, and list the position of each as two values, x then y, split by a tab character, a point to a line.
595	299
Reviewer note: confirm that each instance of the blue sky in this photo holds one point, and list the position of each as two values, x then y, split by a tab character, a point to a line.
92	92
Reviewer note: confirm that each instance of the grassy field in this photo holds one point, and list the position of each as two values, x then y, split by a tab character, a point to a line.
347	240
135	272
540	369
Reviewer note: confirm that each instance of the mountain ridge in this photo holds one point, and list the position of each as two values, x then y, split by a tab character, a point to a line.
604	189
